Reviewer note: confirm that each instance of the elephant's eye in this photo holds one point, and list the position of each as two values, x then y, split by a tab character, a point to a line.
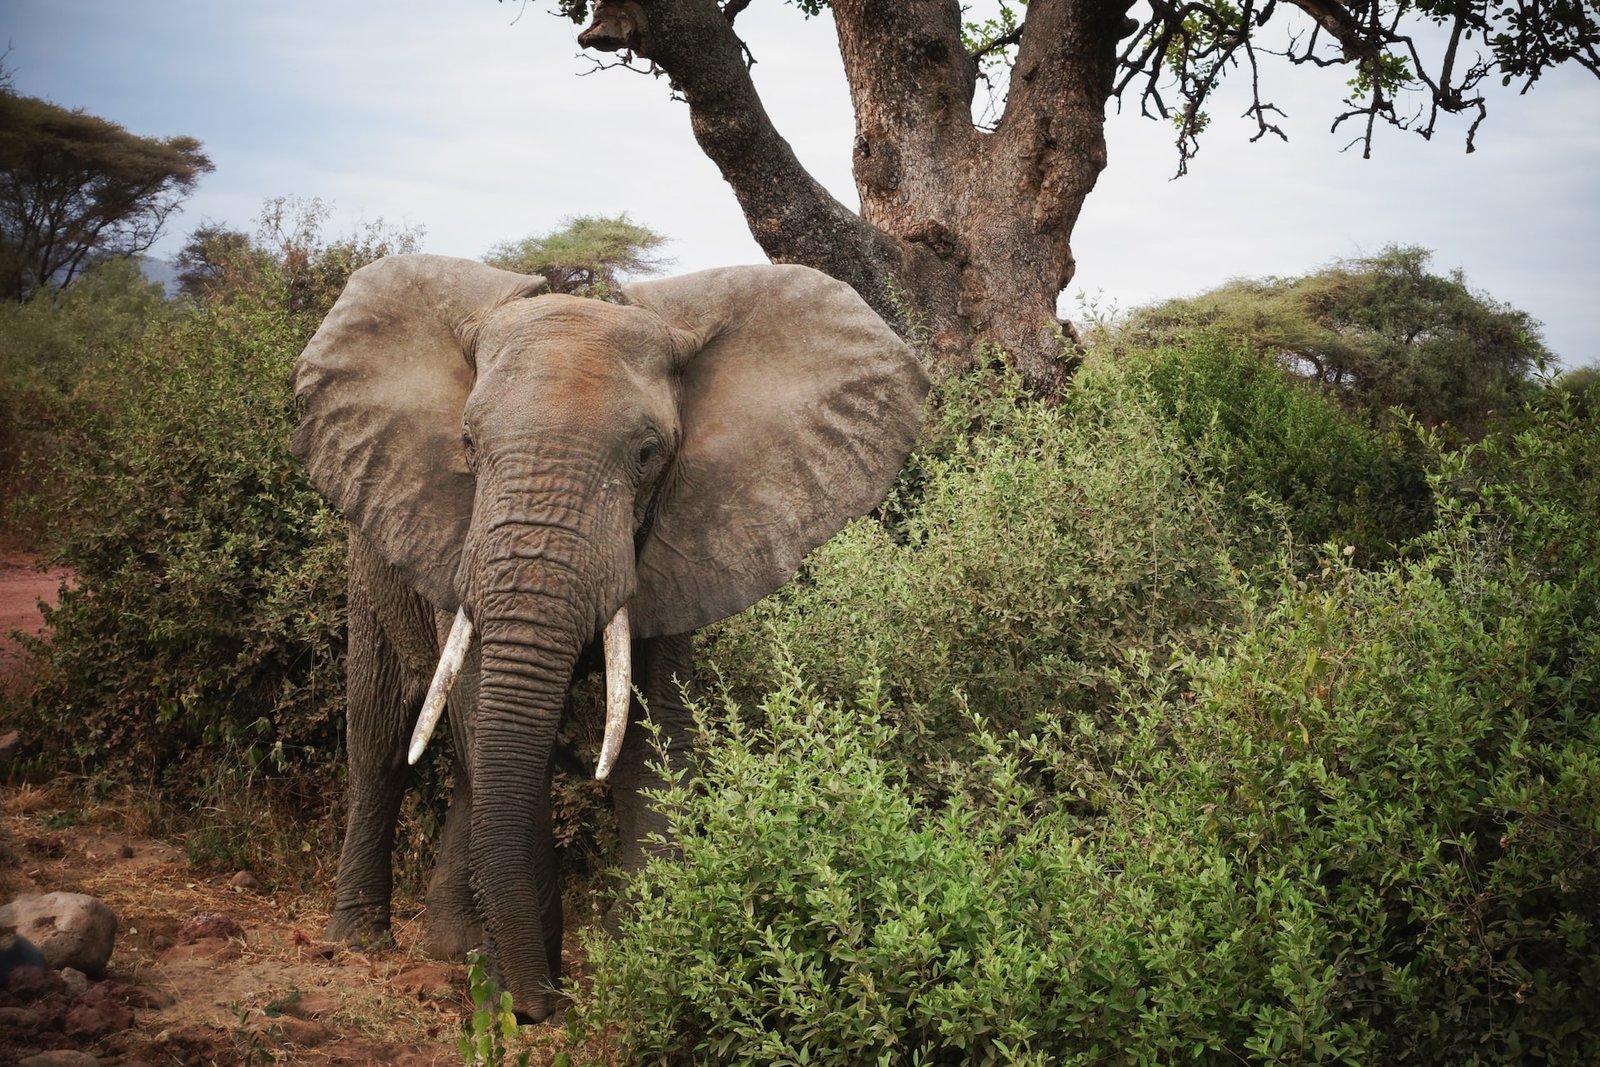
648	452
469	448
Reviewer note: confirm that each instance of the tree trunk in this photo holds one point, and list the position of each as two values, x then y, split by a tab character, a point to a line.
964	234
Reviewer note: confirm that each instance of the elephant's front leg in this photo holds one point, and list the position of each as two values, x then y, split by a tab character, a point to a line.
454	928
662	663
390	661
378	713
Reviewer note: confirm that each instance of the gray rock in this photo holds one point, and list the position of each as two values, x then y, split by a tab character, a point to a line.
76	981
70	929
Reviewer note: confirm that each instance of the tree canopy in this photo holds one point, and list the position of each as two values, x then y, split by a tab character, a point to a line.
586	254
291	260
76	189
964	230
1377	331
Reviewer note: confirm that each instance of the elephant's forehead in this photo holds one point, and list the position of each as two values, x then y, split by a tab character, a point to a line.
552	332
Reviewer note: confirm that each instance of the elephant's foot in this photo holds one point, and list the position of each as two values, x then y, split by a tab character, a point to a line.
545	1004
451	938
550	1008
359	928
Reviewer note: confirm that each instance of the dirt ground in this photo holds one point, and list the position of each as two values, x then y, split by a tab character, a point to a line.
183	990
23	583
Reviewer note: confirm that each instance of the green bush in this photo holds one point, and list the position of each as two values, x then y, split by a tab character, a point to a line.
818	915
207	618
1420	744
1288	458
1032	550
50	348
1363	828
203	644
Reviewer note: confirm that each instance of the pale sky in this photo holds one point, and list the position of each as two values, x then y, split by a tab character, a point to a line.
473	119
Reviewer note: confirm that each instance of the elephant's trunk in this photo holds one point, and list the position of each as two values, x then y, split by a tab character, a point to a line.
528	657
619	683
546	568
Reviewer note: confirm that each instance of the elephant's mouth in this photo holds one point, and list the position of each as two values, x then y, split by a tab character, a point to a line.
619	687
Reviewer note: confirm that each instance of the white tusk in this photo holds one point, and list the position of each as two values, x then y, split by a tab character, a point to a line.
619	687
444	676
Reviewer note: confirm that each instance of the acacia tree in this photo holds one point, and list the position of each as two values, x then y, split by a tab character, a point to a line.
587	255
76	189
1376	332
965	228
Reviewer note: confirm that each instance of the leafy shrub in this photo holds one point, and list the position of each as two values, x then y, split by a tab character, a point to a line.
1364	828
1287	458
52	345
818	915
1419	742
204	640
1032	550
208	613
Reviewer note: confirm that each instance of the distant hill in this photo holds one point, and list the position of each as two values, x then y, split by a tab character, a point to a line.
162	271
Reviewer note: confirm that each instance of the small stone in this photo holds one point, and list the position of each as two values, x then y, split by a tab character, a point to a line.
245	880
70	929
18	1018
425	980
142	996
76	981
207	948
126	852
209	924
161	942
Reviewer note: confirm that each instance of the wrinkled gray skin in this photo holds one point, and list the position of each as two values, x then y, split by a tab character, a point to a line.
540	461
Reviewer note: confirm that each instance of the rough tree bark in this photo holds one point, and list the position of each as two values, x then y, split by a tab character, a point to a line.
964	233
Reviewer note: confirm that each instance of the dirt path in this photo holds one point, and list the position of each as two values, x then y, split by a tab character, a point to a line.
267	991
22	585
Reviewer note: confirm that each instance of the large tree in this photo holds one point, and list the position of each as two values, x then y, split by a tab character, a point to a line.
965	227
589	255
1377	332
76	189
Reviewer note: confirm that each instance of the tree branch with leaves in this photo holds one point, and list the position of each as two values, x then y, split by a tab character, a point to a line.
76	190
964	232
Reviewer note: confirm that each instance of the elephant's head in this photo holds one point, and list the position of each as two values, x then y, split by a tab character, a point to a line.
541	461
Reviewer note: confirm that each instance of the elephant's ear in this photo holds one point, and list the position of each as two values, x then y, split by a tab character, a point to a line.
382	386
798	407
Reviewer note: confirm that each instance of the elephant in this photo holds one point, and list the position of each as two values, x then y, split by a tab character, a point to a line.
535	473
